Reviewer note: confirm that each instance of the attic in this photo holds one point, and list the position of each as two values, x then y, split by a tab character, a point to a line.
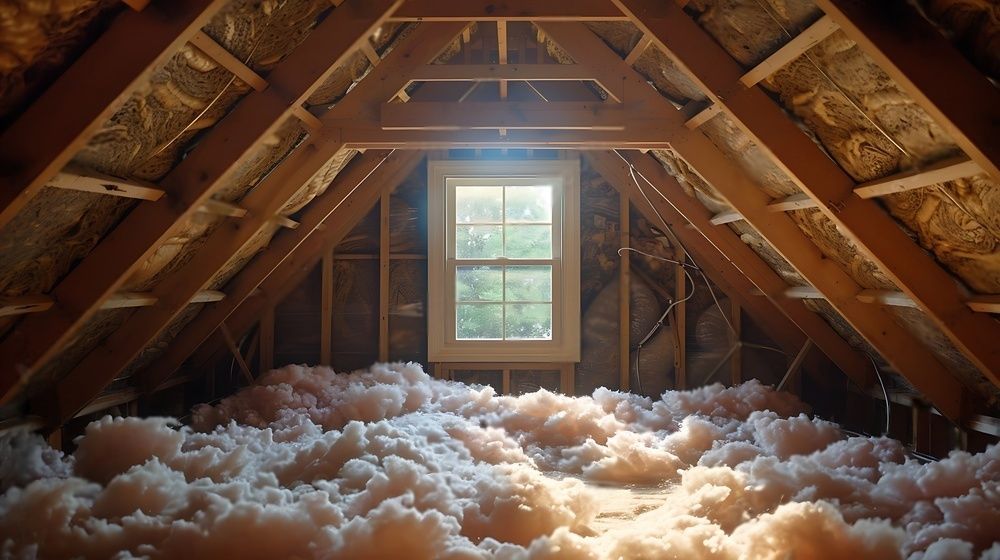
611	263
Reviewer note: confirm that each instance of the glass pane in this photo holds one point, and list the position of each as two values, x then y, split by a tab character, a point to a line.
478	283
529	242
478	242
478	204
529	283
529	321
529	204
479	321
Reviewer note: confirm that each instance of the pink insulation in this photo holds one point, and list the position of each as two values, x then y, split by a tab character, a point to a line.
389	463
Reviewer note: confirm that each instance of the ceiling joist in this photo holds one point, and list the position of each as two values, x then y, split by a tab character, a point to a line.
508	10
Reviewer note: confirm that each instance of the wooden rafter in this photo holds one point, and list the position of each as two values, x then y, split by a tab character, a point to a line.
497	72
932	71
897	345
871	229
100	366
264	284
190	183
732	265
54	128
509	10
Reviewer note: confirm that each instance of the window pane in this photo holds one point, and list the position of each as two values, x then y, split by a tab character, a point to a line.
478	242
529	283
478	321
529	204
478	283
529	242
529	321
478	204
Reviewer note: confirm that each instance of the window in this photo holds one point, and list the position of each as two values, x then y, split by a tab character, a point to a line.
504	278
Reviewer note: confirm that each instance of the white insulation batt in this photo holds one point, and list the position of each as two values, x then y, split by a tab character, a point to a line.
389	463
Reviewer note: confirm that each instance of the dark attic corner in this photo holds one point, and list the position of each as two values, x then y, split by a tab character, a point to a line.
466	279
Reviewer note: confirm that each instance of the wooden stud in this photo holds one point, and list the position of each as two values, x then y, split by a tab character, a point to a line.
215	159
369	51
47	135
267	340
340	206
703	116
326	312
736	362
383	268
930	69
810	37
505	381
76	178
985	304
624	294
567	383
284	221
864	222
680	324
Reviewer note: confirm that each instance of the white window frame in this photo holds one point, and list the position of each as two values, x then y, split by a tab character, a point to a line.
442	345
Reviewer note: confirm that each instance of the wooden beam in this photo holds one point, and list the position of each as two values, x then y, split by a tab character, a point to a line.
496	72
471	115
810	37
326	311
638	50
874	232
76	178
221	208
267	339
44	139
736	281
369	135
383	277
985	304
947	170
218	53
502	53
19	305
930	69
338	208
191	182
509	10
624	294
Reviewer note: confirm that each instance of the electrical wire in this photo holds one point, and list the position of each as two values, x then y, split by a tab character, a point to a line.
884	393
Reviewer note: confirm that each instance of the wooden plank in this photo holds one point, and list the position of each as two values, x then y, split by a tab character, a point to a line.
19	305
218	53
326	311
930	69
947	170
496	72
722	271
638	50
267	340
726	217
736	362
985	304
76	178
61	121
703	116
210	164
874	232
798	201
509	10
505	382
567	382
680	324
624	294
369	135
340	207
383	278
235	350
472	115
221	208
810	37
